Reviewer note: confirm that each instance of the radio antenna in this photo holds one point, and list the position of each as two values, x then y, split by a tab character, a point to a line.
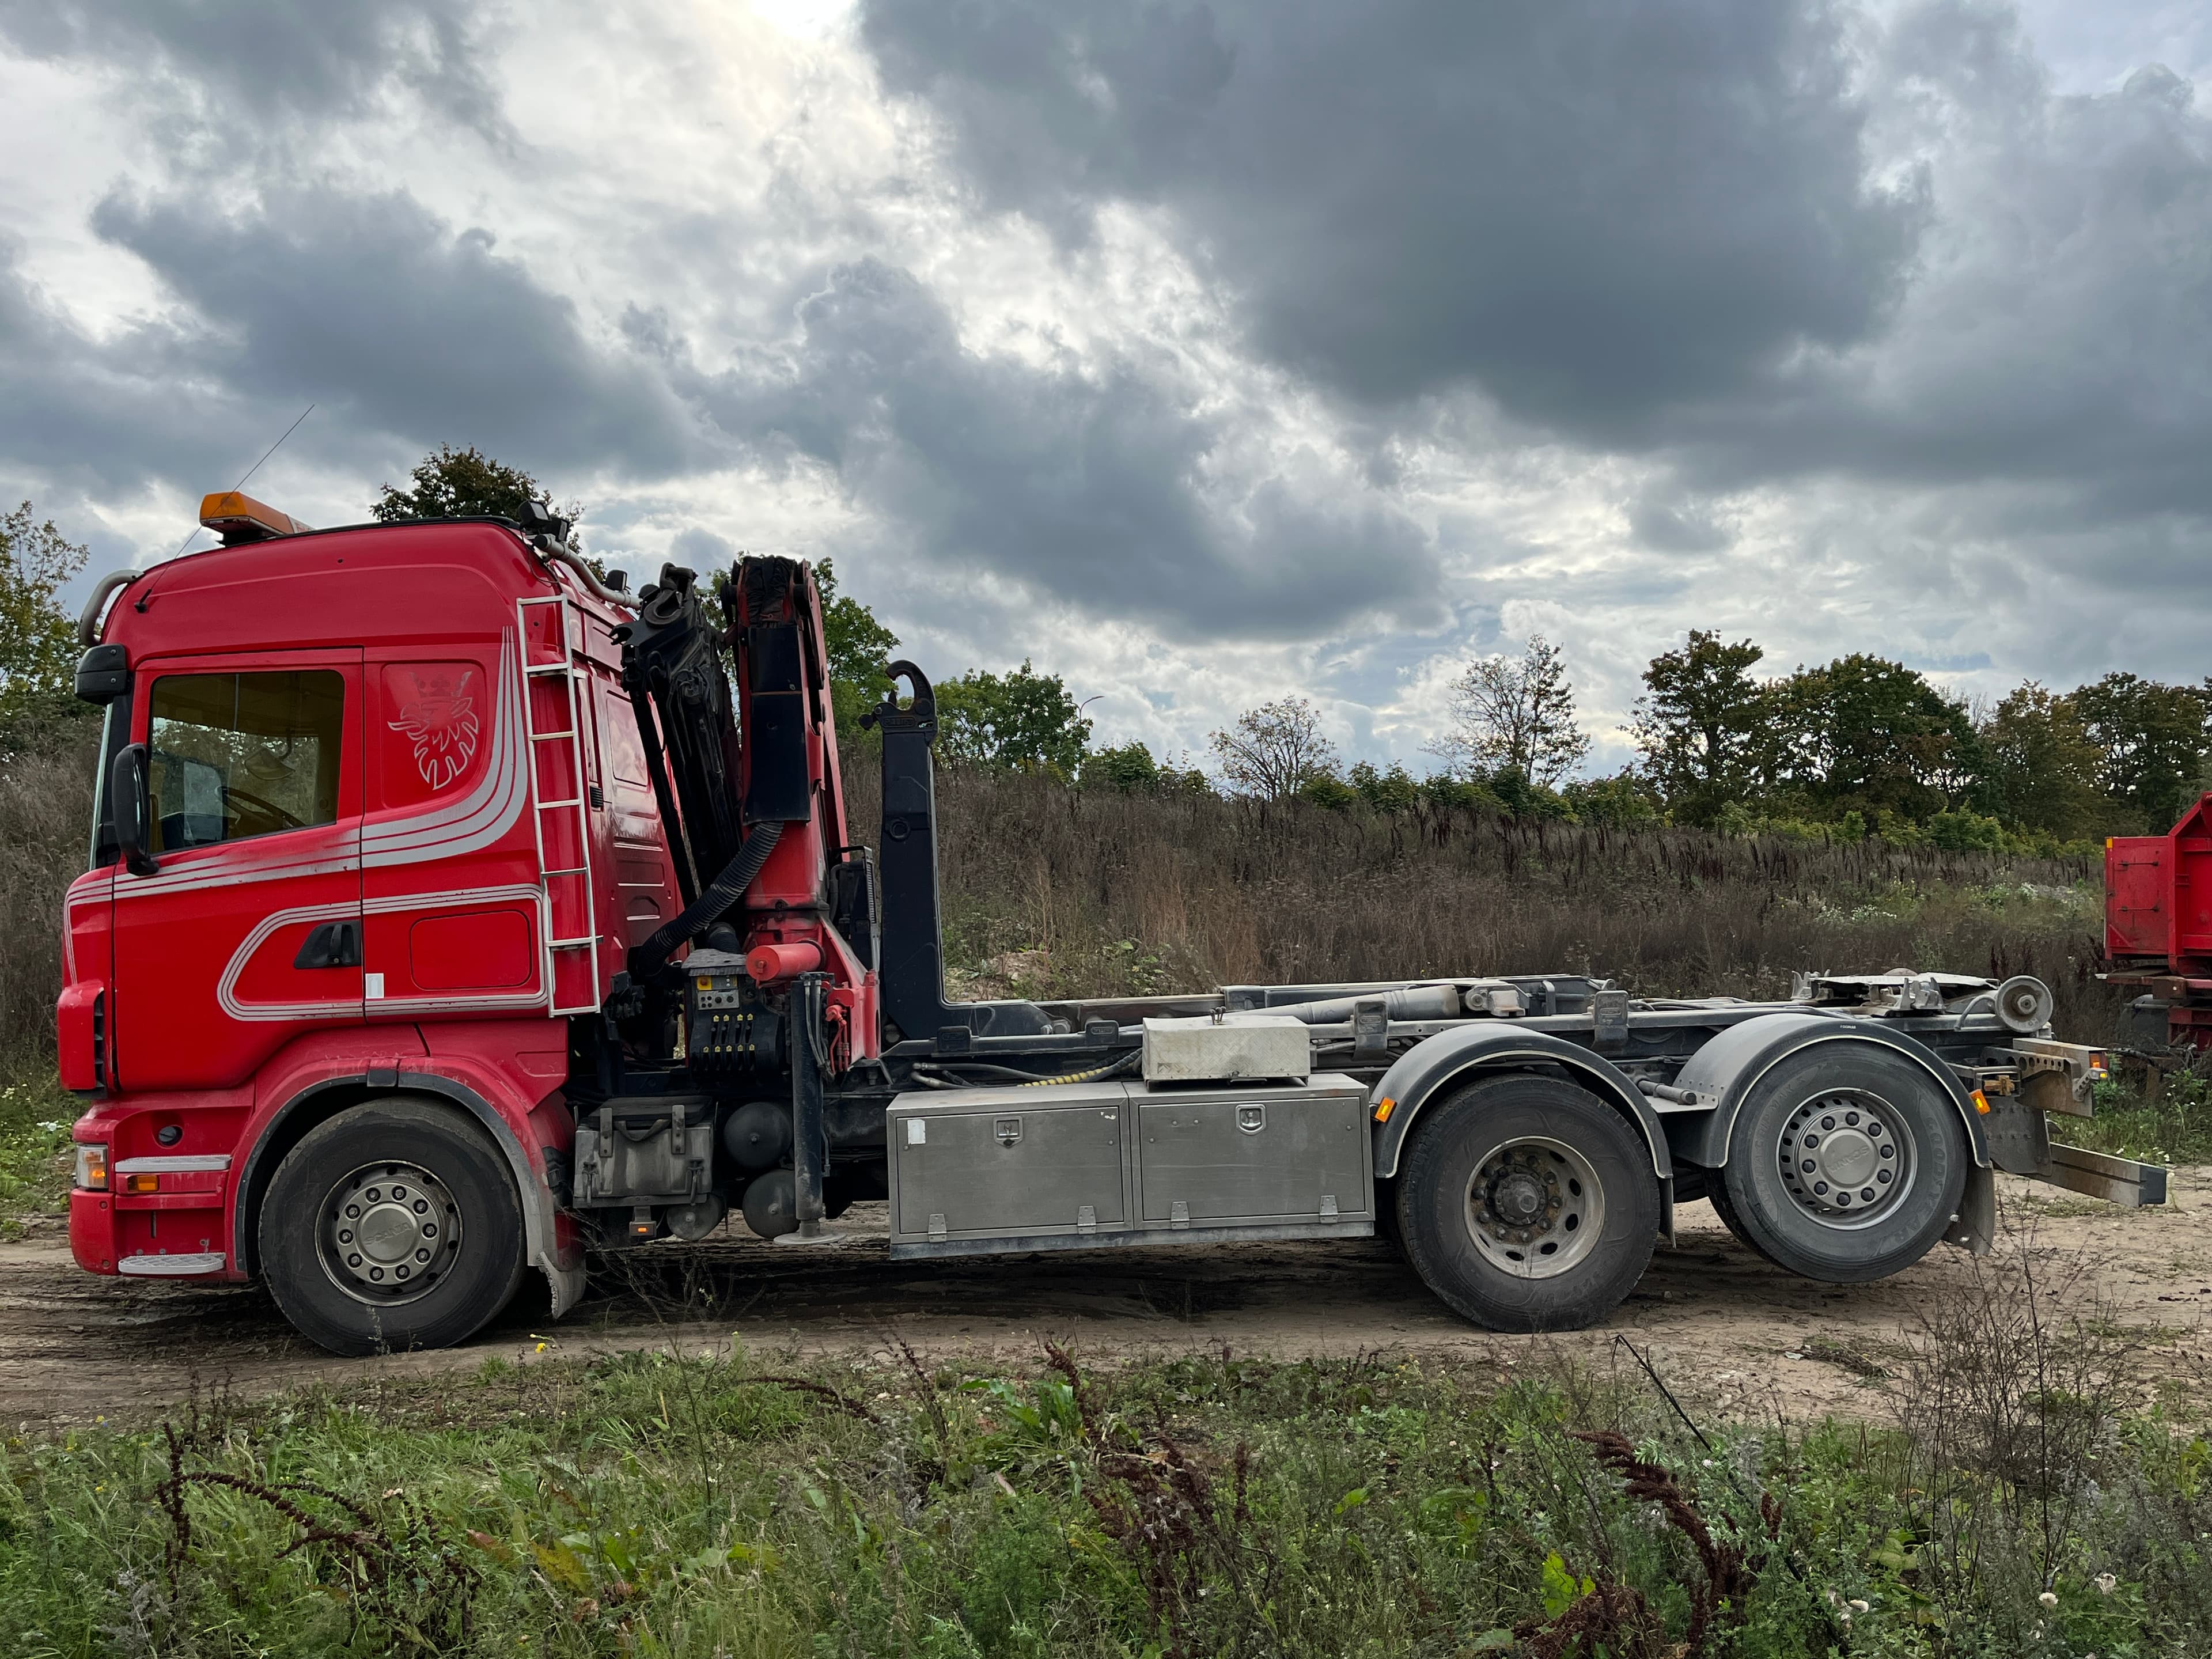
250	471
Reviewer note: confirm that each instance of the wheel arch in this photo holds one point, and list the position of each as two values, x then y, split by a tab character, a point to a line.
1437	1065
1727	1068
325	1099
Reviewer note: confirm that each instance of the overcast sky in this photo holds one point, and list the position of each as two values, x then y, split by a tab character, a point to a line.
1203	353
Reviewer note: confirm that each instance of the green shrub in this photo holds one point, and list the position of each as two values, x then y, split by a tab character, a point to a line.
1963	831
1621	800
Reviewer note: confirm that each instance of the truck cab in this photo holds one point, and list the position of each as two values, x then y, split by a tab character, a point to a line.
384	817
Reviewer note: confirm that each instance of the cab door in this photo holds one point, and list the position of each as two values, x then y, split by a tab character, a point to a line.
455	905
249	931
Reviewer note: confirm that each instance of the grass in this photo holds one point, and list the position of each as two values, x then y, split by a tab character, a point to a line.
35	1114
2176	1127
653	1504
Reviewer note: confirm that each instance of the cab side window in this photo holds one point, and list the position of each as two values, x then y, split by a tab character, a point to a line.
240	755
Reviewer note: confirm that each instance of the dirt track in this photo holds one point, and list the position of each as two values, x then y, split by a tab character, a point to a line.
1730	1329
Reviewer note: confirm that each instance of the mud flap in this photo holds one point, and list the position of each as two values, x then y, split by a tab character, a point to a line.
1974	1228
565	1285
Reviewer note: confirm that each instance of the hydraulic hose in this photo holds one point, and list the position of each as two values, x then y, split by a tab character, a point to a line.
955	1073
725	891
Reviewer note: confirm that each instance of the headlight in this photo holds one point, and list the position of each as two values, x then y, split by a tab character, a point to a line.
92	1167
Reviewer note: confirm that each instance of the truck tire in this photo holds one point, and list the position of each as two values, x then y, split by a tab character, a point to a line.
1846	1163
394	1225
1527	1204
1725	1210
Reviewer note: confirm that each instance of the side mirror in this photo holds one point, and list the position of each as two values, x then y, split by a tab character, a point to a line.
103	674
129	803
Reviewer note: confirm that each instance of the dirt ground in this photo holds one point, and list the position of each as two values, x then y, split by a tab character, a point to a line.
1727	1329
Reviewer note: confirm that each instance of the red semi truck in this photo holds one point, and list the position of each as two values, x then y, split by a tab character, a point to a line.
452	911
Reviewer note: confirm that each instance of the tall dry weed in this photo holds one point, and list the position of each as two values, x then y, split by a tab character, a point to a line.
1210	892
2019	1378
46	816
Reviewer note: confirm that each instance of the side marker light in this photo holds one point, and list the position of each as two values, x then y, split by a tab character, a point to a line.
1384	1108
1981	1102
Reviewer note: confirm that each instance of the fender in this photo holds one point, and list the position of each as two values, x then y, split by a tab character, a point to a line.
538	1210
1435	1063
1724	1071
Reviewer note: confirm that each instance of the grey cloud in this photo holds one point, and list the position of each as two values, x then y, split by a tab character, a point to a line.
702	549
1596	211
1677	527
2058	337
101	416
259	59
398	324
1102	489
1740	238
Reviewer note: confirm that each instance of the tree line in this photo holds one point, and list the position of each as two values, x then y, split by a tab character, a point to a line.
1857	746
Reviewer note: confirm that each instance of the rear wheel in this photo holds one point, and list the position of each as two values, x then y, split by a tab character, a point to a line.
394	1225
1846	1163
1527	1204
1725	1209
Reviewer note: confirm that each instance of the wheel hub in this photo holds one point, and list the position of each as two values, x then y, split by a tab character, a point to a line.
1846	1157
389	1233
1535	1207
1518	1199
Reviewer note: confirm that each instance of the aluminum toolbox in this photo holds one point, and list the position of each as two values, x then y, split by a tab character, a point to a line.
990	1170
989	1164
1232	1155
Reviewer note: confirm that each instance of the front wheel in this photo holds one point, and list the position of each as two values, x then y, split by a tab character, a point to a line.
1527	1204
1846	1163
393	1225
